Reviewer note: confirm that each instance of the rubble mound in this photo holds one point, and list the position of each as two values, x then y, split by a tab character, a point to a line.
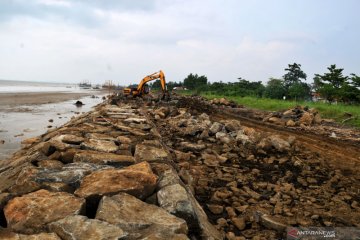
223	101
181	169
294	117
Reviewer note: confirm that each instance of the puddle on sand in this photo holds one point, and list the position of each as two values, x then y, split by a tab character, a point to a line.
17	125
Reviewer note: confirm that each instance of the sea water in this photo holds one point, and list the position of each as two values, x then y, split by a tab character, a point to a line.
7	86
26	121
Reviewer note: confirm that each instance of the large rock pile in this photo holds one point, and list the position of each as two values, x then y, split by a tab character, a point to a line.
253	184
104	175
298	116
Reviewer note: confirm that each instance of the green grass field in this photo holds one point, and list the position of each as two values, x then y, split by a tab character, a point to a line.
337	112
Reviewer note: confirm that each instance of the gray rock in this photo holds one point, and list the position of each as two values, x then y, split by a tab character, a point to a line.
99	145
175	200
215	128
100	136
103	158
72	139
5	234
232	126
81	228
167	177
223	137
186	146
135	120
149	153
71	174
133	215
241	137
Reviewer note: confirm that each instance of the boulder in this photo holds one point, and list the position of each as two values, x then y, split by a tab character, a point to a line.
213	159
100	136
186	146
99	145
167	177
175	200
215	209
58	144
215	128
290	123
31	212
223	137
135	120
306	119
103	158
68	156
317	119
210	159
50	164
44	147
239	223
81	228
149	153
70	174
133	215
288	113
5	234
123	140
279	144
276	121
232	126
137	180
204	117
242	138
25	181
72	139
276	142
158	233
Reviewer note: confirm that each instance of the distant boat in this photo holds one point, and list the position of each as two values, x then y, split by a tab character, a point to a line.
85	84
97	86
108	85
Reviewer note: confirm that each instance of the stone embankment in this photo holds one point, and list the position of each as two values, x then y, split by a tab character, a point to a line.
103	175
184	169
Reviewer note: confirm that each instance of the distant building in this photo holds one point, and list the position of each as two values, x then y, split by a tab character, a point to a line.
316	97
179	88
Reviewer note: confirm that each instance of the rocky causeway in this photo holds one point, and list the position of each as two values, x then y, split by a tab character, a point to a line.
135	169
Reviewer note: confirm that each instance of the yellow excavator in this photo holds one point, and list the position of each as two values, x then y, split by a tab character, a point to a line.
143	89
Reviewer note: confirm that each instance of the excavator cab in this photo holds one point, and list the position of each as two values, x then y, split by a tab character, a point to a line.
146	89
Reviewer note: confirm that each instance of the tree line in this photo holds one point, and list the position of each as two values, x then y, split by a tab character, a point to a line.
332	86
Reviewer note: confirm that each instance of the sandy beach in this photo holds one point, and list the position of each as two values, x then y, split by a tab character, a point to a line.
17	99
25	115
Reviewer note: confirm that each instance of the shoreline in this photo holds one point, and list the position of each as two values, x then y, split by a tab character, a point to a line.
24	115
8	100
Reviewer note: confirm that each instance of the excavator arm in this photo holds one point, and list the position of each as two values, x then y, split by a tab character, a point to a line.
158	75
141	90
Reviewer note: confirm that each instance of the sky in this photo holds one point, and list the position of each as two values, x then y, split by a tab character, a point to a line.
125	40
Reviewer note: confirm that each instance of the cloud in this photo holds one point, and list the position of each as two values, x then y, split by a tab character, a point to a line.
123	40
56	3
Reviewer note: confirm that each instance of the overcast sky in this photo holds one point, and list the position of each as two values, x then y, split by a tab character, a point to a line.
124	40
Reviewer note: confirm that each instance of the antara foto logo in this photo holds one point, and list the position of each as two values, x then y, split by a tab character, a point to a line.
293	233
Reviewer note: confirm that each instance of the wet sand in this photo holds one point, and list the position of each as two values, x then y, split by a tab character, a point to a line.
26	115
17	99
